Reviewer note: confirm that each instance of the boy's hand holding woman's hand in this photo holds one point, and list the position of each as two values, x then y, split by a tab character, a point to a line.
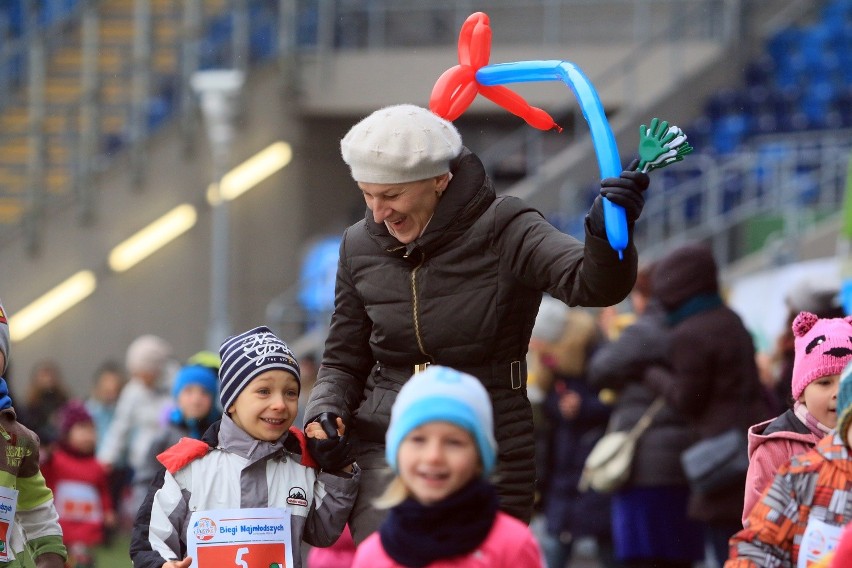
328	443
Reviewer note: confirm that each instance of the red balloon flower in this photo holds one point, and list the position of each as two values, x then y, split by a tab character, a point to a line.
456	88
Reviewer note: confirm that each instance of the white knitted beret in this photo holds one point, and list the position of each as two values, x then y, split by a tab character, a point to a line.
400	143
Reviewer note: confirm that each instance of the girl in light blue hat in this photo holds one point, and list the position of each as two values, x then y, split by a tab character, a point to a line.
443	511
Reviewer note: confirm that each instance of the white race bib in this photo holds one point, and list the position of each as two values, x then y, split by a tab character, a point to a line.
78	502
819	539
8	505
240	538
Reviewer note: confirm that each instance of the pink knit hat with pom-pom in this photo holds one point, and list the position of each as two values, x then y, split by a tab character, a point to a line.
823	348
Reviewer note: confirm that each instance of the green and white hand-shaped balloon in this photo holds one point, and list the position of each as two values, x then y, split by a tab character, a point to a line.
661	145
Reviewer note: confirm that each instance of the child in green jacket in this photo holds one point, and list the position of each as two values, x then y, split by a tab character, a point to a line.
27	513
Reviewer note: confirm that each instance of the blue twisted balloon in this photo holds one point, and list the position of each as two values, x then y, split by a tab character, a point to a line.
603	140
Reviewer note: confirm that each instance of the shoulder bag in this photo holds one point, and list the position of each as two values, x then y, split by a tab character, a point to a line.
607	468
718	462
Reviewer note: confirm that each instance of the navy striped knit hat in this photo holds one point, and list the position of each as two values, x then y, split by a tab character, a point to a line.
249	354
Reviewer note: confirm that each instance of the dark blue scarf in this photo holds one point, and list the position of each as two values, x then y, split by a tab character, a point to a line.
692	306
416	535
5	399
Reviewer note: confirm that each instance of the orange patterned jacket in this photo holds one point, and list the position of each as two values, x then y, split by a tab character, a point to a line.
817	483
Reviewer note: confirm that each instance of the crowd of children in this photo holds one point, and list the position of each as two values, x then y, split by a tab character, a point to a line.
227	446
225	442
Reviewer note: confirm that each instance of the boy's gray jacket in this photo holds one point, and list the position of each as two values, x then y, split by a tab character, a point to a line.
241	472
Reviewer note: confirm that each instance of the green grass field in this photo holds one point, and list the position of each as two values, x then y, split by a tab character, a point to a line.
115	556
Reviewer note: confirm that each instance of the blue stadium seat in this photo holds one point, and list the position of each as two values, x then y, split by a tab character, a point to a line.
783	44
14	10
730	132
837	13
843	106
817	101
792	71
760	71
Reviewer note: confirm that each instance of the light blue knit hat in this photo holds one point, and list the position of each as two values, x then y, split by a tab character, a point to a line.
442	394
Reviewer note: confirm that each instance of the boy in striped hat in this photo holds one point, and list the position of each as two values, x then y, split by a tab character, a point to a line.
231	466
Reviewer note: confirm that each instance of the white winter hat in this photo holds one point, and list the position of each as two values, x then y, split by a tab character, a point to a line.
400	143
551	320
148	354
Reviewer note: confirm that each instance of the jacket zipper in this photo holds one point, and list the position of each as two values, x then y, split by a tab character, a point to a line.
414	306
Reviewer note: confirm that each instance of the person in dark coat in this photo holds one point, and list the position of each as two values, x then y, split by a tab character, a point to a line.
46	395
711	377
650	527
577	419
442	271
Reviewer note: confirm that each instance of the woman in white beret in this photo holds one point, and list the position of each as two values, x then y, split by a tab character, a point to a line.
442	271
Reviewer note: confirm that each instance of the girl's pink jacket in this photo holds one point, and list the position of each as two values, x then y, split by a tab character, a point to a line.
510	544
338	555
766	454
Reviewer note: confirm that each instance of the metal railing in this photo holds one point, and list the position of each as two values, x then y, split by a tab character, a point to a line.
383	24
208	38
774	189
712	21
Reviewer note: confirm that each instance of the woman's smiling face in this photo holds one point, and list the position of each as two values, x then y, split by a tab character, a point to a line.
404	208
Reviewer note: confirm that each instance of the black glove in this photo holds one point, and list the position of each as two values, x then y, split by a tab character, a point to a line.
328	421
332	454
626	191
336	452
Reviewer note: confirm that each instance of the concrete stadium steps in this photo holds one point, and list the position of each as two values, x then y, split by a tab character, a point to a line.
113	118
63	91
11	209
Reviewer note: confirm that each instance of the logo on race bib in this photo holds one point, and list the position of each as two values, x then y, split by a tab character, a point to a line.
297	497
204	529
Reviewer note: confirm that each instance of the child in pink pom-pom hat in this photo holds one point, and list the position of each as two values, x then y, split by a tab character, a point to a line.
823	348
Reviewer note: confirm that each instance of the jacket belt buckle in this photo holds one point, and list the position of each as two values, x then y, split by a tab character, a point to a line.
517	381
420	367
